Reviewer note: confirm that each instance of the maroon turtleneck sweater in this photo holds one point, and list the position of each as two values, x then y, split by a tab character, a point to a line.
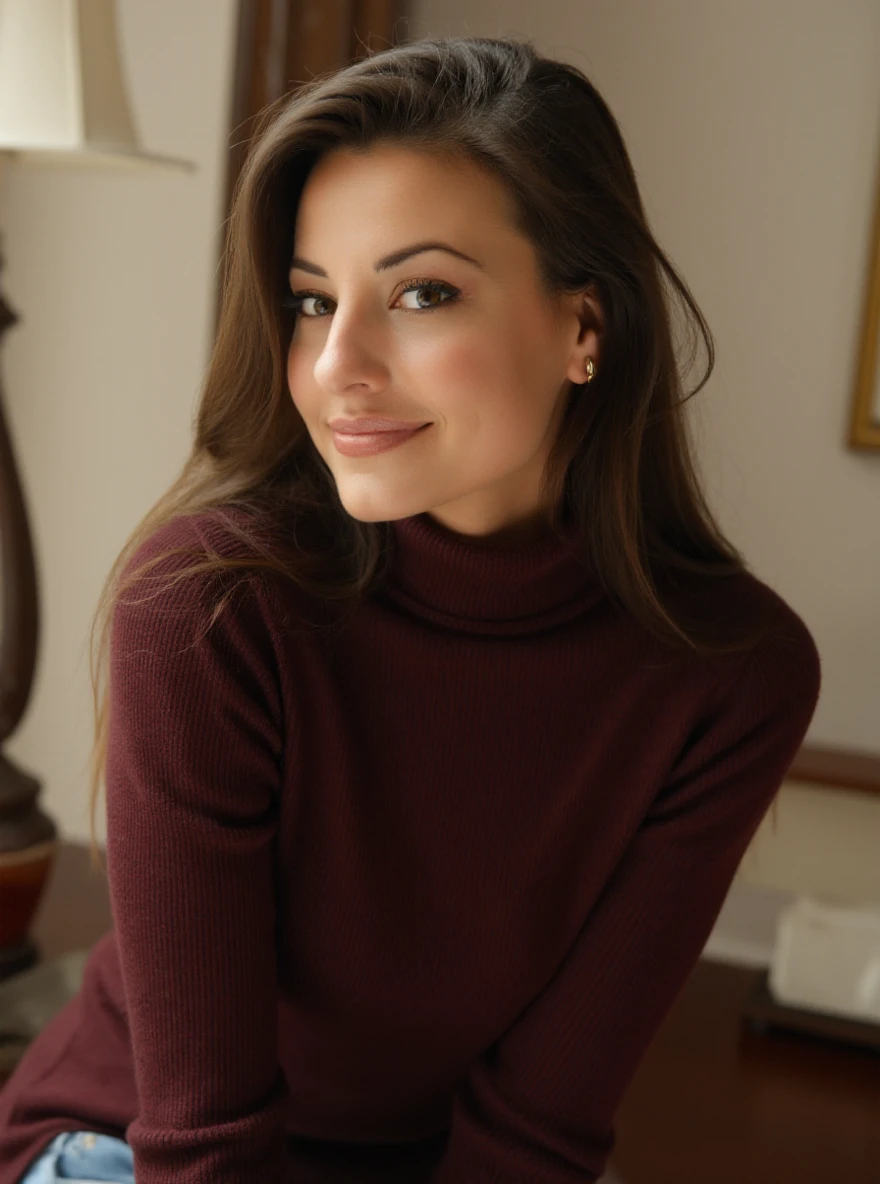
406	903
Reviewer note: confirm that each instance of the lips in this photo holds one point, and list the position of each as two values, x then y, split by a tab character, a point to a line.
371	443
370	425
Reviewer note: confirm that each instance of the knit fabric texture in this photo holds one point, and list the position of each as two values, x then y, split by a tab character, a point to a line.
406	901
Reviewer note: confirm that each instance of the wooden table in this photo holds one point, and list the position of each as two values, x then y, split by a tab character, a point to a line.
716	1103
712	1102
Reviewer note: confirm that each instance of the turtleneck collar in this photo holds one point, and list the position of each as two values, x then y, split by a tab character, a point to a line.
474	586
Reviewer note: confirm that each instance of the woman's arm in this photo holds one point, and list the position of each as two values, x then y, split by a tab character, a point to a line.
538	1107
195	747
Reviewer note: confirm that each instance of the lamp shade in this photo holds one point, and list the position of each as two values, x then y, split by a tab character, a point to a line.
62	91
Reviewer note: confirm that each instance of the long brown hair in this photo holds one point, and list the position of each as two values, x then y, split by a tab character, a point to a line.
621	467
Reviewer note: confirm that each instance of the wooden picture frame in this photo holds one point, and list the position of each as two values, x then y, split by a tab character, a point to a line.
864	431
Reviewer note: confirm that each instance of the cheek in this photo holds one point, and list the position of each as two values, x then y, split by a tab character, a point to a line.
490	377
295	362
300	378
466	371
507	350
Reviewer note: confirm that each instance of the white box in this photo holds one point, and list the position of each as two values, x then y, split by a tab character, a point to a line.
827	959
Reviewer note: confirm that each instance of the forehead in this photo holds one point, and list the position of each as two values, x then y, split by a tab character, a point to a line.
389	187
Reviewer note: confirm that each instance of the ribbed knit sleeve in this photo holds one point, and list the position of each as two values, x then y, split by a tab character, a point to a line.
538	1106
192	778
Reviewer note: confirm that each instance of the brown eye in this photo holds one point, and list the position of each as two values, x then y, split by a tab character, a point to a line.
296	300
440	294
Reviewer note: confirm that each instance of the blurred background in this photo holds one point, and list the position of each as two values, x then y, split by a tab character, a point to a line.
754	130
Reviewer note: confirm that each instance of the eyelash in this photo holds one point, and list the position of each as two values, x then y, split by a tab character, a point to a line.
293	300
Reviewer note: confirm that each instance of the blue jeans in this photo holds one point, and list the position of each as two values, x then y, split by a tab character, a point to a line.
85	1156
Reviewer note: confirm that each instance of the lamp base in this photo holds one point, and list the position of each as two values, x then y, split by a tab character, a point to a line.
15	959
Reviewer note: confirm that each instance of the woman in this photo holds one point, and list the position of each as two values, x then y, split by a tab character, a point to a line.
430	753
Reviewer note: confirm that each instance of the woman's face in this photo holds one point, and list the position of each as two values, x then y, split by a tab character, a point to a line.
472	348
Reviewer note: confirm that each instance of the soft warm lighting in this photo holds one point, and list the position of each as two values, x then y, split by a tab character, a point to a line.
62	92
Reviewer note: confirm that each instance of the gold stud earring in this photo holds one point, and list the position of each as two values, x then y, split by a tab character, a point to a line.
591	374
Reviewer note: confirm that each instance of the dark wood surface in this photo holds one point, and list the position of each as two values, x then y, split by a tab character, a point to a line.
716	1103
713	1102
763	1010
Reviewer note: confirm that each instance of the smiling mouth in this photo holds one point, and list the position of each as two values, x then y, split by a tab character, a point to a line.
370	443
368	427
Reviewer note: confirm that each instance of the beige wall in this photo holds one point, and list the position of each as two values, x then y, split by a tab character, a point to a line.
754	131
113	277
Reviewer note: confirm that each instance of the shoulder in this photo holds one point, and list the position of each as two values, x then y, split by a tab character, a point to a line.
221	533
777	659
193	568
777	676
193	637
783	671
749	719
229	561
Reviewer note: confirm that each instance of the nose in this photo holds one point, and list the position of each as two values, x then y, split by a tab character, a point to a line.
352	355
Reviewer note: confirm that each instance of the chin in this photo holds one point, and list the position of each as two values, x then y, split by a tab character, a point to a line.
378	511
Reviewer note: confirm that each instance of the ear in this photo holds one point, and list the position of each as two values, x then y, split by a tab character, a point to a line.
587	323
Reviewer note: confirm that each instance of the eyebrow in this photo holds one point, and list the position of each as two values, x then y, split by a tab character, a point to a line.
389	261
